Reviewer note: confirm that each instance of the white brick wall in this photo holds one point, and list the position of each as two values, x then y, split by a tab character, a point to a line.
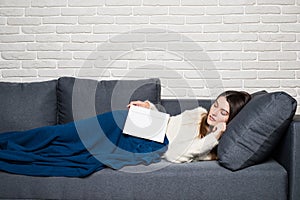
197	48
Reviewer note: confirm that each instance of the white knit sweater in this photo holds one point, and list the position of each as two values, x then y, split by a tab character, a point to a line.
184	143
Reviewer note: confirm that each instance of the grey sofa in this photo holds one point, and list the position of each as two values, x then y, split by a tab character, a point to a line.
29	105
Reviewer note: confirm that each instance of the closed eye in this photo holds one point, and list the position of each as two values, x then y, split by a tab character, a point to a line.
224	112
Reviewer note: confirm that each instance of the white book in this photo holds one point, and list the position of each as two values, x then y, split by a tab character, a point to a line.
146	123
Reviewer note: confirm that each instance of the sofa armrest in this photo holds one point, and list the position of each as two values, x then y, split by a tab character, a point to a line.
288	155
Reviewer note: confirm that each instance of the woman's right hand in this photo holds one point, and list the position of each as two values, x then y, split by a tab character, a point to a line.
143	104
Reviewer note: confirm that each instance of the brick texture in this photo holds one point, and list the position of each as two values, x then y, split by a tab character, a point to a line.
194	47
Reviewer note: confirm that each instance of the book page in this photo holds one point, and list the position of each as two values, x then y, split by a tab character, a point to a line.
145	123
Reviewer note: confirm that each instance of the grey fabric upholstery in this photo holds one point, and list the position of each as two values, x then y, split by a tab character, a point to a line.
288	154
82	98
177	106
200	180
273	179
25	106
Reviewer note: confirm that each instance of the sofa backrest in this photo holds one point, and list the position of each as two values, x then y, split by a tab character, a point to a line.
27	105
82	98
177	106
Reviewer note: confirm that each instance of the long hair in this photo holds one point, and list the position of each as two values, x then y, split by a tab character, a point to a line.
236	100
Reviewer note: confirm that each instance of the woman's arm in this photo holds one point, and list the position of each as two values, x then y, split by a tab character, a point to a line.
200	147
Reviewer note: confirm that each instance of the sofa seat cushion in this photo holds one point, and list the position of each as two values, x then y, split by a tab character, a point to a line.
205	180
27	105
81	98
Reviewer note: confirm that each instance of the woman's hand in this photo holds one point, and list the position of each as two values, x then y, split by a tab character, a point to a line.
143	104
219	129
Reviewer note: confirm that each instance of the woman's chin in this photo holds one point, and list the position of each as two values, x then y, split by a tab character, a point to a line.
211	123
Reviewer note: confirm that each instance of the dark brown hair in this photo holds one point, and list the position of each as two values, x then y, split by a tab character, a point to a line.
236	100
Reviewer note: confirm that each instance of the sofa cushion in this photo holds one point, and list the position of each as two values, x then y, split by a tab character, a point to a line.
252	135
27	105
82	98
197	180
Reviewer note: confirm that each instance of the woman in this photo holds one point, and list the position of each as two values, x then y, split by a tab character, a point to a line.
78	149
193	134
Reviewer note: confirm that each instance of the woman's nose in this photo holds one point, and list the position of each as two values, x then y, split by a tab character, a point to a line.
215	112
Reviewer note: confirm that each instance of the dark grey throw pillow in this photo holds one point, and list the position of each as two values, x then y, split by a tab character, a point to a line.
258	93
253	134
25	106
82	98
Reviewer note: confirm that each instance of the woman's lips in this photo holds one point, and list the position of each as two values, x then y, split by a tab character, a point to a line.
211	118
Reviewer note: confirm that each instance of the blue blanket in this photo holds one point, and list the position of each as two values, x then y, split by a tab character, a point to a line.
76	149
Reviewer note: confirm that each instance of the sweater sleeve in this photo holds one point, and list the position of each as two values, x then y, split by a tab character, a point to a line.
199	148
184	143
202	146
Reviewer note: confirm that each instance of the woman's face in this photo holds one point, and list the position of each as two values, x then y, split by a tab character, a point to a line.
219	112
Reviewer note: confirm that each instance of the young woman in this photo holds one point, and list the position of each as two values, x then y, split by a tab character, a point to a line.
79	148
194	133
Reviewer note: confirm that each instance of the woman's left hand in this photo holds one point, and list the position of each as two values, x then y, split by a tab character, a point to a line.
144	104
220	129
